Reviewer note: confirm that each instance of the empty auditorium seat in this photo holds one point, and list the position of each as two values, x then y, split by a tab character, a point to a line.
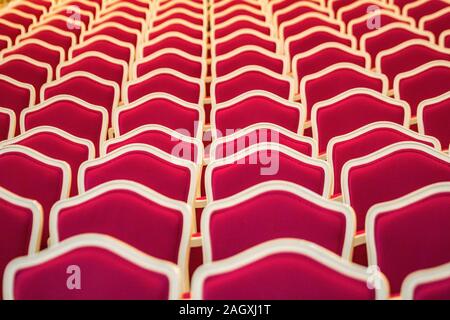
427	284
8	124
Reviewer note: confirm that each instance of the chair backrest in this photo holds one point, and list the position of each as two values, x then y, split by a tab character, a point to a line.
237	23
107	45
427	284
255	107
391	173
111	265
314	37
276	6
390	36
251	78
223	147
179	26
98	64
178	115
11	30
59	145
367	140
307	21
18	17
167	81
242	38
21	222
173	40
70	114
407	56
436	22
238	10
129	8
168	140
343	114
194	7
28	171
5	42
20	95
419	9
337	79
444	39
26	70
184	14
153	224
85	86
178	60
291	269
432	118
424	82
171	176
115	30
273	210
84	16
38	50
53	36
265	162
249	56
8	124
409	233
326	55
297	10
361	7
122	18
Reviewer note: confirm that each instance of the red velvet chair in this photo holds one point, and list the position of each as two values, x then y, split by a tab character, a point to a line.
292	270
178	26
124	7
251	78
183	14
70	114
114	30
238	10
167	81
173	40
177	115
122	18
296	10
237	23
153	224
343	114
360	8
410	233
27	171
336	79
274	210
223	147
166	174
390	173
18	17
11	30
198	8
366	140
424	82
107	266
58	145
8	124
437	22
419	9
53	36
427	284
22	221
265	162
432	118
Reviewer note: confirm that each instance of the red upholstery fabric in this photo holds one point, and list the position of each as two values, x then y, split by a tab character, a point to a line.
256	109
87	90
133	24
447	41
244	39
180	5
176	43
5	124
286	277
166	83
25	72
426	8
240	12
258	136
313	40
402	3
438	25
15	237
109	48
248	81
338	4
9	31
175	116
274	215
38	53
358	29
233	178
413	238
391	177
364	145
61	24
428	84
306	24
408	59
171	60
389	39
247	58
347	115
84	18
239	25
71	117
325	58
104	276
99	67
27	9
53	38
178	15
17	98
161	140
26	177
3	44
147	226
220	7
116	33
131	11
435	120
334	83
436	290
169	179
60	148
361	10
17	19
83	6
176	27
297	12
